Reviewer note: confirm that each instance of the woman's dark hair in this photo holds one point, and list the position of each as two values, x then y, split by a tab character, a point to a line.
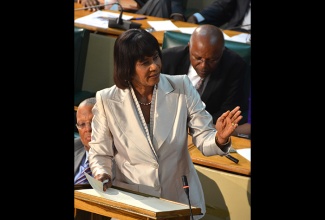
131	46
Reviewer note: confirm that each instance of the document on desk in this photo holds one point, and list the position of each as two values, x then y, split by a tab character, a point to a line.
149	203
100	18
245	152
242	38
187	30
163	25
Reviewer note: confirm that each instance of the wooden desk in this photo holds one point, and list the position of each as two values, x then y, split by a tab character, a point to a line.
226	185
222	163
91	201
114	31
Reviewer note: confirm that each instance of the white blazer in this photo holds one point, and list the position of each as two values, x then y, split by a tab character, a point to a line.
118	135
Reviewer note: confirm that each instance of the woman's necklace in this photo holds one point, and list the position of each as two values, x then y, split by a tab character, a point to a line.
148	135
141	103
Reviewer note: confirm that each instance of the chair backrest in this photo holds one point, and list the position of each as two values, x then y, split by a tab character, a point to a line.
81	39
243	49
173	38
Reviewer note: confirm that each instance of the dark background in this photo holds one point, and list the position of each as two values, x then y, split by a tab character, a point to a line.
37	152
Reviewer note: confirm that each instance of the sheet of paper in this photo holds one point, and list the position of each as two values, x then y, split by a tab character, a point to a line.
100	18
187	30
149	203
245	152
225	36
242	38
163	25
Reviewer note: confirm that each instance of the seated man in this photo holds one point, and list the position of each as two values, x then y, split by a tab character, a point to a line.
172	9
223	70
228	14
81	147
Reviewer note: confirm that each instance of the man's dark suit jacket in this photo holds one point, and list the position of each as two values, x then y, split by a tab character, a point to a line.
161	8
231	12
225	88
79	153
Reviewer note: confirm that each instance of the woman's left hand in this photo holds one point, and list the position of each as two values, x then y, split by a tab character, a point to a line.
227	123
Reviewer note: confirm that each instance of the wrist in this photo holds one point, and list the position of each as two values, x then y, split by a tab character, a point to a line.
199	18
219	141
177	17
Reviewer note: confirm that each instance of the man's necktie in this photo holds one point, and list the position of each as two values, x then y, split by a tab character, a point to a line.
82	178
199	85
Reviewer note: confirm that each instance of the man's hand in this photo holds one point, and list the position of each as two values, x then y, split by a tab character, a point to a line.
90	3
192	19
177	17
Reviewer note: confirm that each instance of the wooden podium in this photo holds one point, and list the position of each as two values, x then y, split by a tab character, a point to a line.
145	207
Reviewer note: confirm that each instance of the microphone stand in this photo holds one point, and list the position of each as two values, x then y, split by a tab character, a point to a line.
186	189
116	22
120	23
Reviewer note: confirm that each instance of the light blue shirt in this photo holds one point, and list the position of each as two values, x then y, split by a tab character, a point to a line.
199	17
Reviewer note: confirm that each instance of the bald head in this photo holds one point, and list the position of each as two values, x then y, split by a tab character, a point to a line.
207	36
89	101
206	48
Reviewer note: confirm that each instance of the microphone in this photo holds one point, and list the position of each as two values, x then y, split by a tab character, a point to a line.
233	159
186	189
115	22
120	23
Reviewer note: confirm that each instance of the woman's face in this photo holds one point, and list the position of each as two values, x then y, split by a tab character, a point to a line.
147	71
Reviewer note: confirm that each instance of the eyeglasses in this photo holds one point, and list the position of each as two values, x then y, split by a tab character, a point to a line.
212	61
83	125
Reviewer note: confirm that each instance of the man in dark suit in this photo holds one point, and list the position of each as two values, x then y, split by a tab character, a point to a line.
228	14
222	69
81	144
172	9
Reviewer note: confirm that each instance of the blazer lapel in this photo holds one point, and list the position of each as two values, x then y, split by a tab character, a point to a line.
129	121
164	114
